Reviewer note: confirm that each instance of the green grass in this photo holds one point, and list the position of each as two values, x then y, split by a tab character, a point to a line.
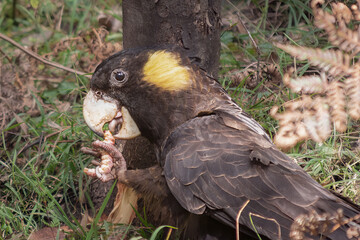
41	185
47	176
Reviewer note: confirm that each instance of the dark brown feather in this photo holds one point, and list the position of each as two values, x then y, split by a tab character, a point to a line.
213	168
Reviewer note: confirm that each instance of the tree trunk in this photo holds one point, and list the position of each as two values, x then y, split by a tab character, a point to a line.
192	25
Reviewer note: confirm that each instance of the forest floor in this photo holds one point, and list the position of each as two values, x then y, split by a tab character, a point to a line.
42	184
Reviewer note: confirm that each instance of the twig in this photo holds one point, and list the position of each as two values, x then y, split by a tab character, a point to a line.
98	37
6	56
253	42
270	219
352	219
237	219
243	24
41	59
249	34
251	38
58	24
40	140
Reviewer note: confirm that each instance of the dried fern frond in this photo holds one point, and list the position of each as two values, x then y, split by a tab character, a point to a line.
302	119
336	99
322	116
334	91
306	84
317	120
341	12
353	232
334	62
341	36
352	84
315	224
312	117
356	12
291	127
315	3
288	136
344	38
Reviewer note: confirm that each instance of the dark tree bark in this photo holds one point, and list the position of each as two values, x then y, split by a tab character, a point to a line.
192	25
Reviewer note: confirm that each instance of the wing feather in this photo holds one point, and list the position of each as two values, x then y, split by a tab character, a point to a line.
214	168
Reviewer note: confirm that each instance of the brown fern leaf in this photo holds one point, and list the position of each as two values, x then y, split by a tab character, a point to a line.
289	117
311	127
353	232
356	12
312	117
322	115
306	84
287	136
314	223
299	104
316	118
302	119
332	61
291	126
336	99
315	3
342	37
352	85
341	12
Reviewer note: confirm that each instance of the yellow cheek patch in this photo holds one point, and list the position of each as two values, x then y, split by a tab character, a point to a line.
163	70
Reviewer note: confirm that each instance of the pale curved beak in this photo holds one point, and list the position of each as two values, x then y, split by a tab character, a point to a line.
98	111
128	129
